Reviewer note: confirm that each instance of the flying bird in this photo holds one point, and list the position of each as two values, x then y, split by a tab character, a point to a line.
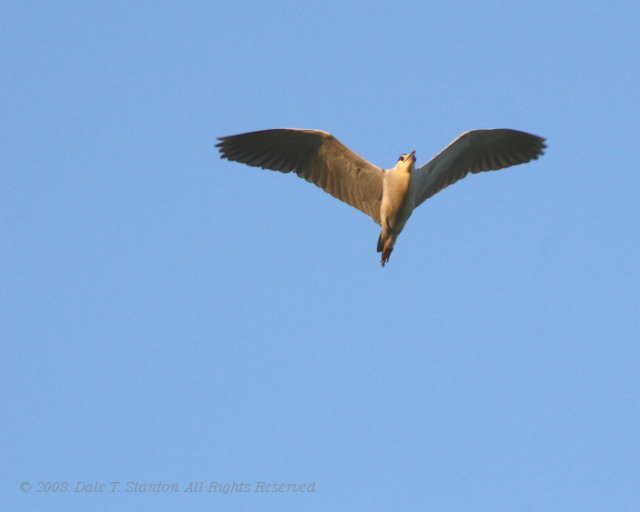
388	196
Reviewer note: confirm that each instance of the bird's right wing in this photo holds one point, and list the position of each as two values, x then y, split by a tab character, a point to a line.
475	151
316	156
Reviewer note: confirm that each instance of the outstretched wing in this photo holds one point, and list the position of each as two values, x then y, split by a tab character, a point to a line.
475	151
316	156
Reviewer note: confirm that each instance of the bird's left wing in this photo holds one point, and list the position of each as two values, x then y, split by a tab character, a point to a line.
314	155
475	151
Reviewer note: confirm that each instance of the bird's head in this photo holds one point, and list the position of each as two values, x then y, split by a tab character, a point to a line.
407	161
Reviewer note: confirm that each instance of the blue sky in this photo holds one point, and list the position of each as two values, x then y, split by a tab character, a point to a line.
168	316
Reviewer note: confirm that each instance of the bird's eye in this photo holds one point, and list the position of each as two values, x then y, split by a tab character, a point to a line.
401	159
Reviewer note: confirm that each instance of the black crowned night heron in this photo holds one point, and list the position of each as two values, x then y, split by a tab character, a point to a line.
386	195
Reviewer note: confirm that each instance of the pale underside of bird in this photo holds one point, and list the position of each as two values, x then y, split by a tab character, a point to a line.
388	196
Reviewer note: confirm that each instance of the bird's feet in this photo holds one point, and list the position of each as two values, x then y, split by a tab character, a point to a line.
385	256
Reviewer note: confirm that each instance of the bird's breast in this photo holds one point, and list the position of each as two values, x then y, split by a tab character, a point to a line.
397	199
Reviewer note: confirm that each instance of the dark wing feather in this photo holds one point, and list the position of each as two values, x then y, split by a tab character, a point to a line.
473	152
316	156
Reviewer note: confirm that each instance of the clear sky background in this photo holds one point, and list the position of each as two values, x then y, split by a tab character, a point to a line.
170	316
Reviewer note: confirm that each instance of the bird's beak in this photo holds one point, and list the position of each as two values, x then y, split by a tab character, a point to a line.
413	155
